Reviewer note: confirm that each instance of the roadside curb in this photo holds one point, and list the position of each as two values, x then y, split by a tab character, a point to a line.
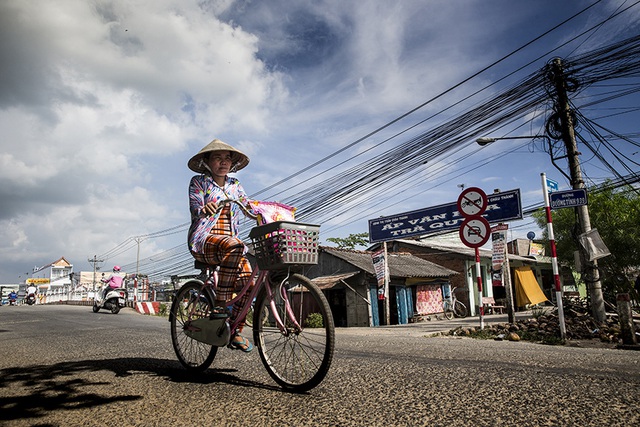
151	308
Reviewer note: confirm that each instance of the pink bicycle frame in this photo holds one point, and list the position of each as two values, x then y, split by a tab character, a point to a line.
258	277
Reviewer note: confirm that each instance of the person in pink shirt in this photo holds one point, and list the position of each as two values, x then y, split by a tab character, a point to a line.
113	281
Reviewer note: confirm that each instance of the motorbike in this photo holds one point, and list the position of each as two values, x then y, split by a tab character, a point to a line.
13	299
115	299
31	299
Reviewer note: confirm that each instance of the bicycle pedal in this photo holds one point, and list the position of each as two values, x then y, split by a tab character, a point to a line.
219	313
215	315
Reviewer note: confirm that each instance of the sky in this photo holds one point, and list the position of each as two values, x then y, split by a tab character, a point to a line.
102	103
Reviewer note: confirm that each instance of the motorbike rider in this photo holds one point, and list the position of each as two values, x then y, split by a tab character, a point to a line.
113	281
32	290
13	297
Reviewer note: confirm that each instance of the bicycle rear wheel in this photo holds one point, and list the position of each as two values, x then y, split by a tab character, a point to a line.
191	303
299	357
448	311
460	309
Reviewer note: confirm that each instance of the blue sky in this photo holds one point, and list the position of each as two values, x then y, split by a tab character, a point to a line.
103	102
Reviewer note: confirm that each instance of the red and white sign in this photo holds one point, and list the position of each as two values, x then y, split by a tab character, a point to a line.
499	240
472	201
379	266
475	231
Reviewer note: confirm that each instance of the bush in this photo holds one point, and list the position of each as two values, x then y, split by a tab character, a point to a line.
163	310
314	320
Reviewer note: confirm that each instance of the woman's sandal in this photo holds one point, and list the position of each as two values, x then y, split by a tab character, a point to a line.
244	345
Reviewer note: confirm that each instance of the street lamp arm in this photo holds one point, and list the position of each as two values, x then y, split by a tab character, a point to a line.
485	140
482	141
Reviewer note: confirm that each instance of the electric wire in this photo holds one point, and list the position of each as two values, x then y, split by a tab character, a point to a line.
428	152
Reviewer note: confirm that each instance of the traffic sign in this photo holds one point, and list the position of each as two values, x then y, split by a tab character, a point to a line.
501	207
472	201
568	198
551	186
475	231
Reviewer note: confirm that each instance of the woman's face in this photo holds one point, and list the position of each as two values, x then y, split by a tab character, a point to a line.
220	163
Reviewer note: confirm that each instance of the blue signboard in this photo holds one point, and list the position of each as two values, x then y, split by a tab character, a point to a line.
568	198
551	186
501	207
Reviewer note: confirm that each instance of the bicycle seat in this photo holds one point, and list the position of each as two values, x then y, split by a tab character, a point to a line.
203	265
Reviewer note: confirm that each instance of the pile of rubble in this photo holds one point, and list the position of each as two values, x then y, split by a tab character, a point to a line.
544	327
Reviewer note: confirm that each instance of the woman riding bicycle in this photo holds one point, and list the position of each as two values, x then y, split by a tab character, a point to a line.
213	235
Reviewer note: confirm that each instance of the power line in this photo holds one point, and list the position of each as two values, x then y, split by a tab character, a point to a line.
338	195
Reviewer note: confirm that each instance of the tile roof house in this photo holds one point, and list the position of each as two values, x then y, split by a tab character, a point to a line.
348	279
451	253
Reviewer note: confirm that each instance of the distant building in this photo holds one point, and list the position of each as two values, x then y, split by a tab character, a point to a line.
53	280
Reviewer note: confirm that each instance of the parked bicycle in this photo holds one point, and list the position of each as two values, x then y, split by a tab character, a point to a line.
453	307
292	323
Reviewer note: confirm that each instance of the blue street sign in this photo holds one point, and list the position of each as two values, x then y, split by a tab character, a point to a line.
501	207
568	199
551	186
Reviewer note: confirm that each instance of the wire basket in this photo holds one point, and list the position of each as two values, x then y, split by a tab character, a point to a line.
282	244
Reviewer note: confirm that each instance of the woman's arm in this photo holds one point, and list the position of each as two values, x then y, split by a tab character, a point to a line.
196	196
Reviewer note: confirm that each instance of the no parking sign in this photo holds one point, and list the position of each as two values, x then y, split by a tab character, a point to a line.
474	230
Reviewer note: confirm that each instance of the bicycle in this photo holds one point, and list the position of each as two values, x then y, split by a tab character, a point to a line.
292	323
453	307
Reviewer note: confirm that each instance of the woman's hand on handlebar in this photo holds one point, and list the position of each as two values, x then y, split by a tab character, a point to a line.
210	208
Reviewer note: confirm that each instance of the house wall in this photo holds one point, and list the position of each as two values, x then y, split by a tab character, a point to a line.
466	279
451	261
357	309
357	303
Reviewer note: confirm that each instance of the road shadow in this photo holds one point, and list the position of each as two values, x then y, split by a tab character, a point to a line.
30	392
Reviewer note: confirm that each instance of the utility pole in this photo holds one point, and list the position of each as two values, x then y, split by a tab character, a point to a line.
506	282
94	261
591	274
387	279
136	281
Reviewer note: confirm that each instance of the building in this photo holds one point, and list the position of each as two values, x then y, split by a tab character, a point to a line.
529	274
53	280
348	280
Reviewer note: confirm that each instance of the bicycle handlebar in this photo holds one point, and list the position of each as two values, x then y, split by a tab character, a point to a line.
244	209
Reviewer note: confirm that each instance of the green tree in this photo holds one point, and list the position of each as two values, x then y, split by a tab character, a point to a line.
616	216
359	239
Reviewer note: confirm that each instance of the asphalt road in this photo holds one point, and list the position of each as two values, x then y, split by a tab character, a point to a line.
66	366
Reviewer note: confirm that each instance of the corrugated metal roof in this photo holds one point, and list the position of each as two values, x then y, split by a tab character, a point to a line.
463	250
400	264
327	282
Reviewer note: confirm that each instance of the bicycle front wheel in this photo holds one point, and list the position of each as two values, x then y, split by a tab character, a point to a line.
298	357
191	303
460	309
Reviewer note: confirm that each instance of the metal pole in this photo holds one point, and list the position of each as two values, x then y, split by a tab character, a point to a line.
569	138
554	257
136	282
479	280
387	305
506	277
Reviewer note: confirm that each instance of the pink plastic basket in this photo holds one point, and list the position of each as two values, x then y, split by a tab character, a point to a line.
282	244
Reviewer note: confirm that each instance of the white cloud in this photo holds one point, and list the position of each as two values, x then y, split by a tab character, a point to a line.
103	102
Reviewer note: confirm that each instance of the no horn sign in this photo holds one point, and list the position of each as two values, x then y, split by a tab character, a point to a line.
474	230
